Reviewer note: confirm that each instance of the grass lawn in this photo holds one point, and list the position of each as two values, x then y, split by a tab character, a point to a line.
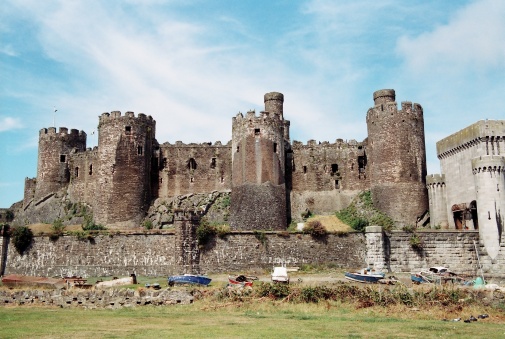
257	319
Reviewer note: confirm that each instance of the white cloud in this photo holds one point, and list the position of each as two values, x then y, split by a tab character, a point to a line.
9	123
474	37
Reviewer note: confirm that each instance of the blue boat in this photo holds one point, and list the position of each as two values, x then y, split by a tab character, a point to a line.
366	275
189	279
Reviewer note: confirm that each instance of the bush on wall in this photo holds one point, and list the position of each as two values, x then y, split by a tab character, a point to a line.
22	238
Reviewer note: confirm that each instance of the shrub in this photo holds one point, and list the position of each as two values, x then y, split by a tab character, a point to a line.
204	232
148	224
315	228
261	236
307	214
416	242
273	291
89	224
222	231
22	238
57	229
409	228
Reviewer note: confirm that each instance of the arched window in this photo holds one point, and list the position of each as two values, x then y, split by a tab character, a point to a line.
91	169
191	164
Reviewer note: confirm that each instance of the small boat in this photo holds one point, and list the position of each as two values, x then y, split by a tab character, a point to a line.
189	279
17	280
241	280
280	274
366	275
435	275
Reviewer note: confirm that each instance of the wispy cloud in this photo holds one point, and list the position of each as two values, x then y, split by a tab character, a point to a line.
474	38
9	123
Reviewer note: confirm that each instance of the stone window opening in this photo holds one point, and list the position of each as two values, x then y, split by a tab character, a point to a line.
293	167
91	169
76	172
275	147
362	163
191	180
337	184
161	180
128	129
256	131
139	150
222	179
191	165
63	158
164	163
304	169
238	149
213	163
334	168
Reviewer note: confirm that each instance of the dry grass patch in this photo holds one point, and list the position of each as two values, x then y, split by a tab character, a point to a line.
47	228
331	223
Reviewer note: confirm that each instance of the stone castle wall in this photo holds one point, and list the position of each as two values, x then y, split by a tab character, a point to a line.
485	137
325	177
194	168
156	254
453	249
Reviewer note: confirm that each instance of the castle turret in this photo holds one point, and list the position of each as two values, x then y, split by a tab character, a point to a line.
489	175
125	148
437	200
397	158
258	168
52	166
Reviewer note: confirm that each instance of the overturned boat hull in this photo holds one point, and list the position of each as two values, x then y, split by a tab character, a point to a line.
189	279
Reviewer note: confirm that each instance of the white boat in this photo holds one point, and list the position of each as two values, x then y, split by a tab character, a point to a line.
280	274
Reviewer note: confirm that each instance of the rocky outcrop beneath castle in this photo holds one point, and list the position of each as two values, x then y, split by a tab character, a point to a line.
49	208
92	299
214	206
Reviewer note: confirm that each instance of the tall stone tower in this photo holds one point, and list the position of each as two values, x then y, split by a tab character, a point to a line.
437	200
52	166
258	168
125	148
397	158
489	175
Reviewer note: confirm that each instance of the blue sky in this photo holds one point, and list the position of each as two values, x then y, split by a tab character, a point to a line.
193	64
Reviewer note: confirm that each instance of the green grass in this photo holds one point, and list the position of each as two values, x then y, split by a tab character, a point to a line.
266	319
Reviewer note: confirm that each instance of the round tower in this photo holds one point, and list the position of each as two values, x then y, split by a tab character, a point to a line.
52	166
274	103
489	176
437	200
258	168
397	158
125	148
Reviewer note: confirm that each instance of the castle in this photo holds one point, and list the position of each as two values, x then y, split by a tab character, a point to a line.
264	181
271	179
470	192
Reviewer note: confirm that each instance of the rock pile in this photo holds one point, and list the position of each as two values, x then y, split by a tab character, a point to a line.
91	299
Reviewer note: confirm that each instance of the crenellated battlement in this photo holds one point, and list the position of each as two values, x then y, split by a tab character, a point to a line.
63	131
389	110
263	117
339	144
488	163
490	132
433	180
192	145
107	117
